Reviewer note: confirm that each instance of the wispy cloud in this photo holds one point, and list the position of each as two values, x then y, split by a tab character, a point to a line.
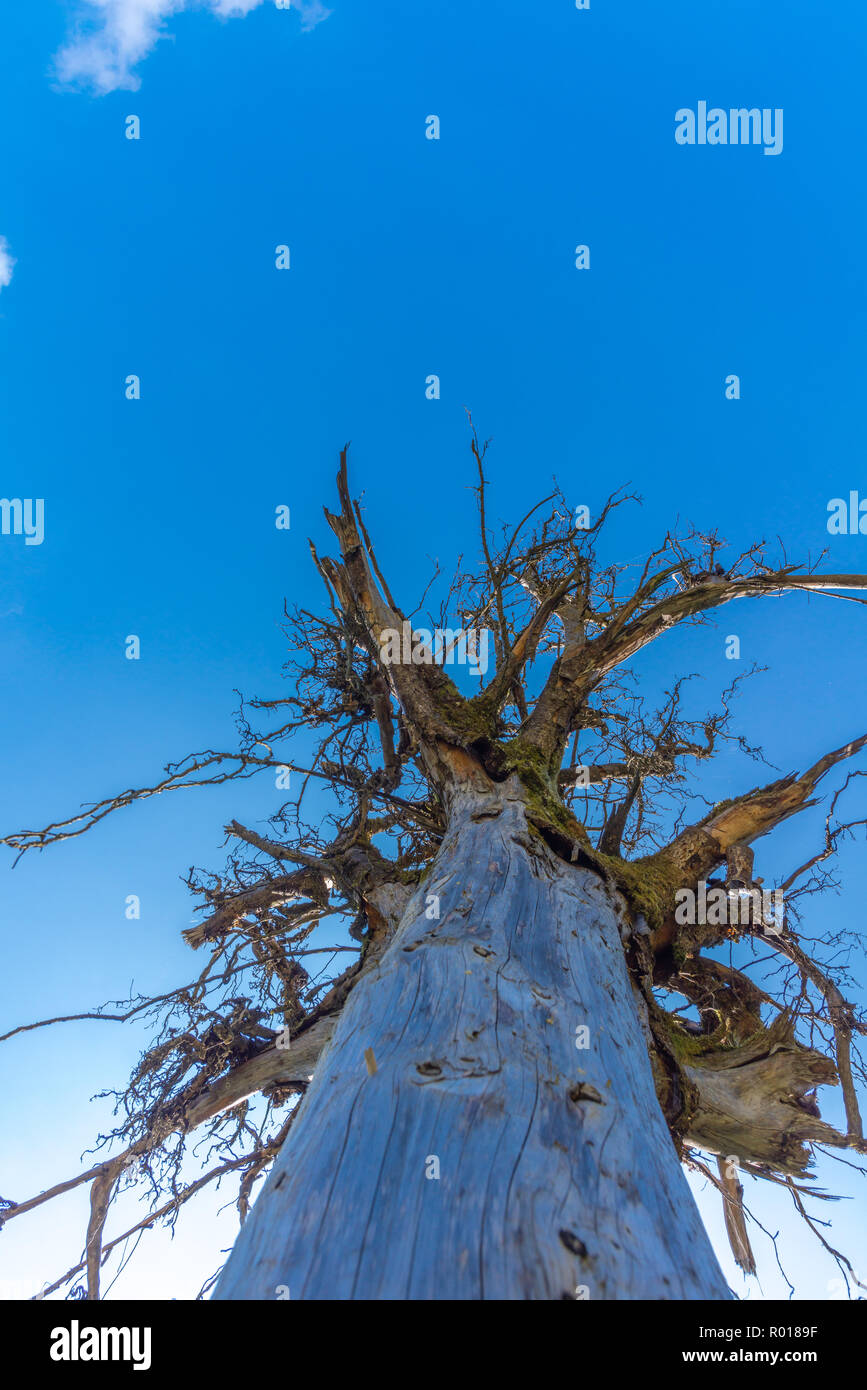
312	13
111	37
6	263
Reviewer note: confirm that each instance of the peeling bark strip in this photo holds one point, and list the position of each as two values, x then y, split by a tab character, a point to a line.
556	1166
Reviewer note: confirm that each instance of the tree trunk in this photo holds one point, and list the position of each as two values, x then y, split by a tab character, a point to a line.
558	1177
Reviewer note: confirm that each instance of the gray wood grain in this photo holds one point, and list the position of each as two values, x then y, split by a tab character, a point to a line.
557	1170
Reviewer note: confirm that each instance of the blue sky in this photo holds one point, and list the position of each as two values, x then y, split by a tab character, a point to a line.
409	257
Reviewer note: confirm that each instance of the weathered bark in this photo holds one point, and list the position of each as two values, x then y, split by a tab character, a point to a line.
750	1101
735	1217
271	1067
557	1169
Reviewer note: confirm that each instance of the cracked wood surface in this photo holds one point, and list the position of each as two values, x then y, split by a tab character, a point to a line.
556	1165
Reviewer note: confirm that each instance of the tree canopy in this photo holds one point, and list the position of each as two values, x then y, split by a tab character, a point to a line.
747	1013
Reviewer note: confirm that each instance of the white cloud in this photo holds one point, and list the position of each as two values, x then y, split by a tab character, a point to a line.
312	13
111	37
6	263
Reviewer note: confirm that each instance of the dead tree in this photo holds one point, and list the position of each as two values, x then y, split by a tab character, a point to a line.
496	1097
